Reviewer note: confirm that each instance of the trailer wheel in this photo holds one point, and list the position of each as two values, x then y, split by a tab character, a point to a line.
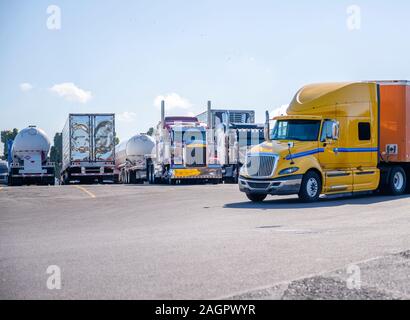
311	187
397	181
128	177
10	181
17	182
256	197
66	180
151	174
133	177
149	177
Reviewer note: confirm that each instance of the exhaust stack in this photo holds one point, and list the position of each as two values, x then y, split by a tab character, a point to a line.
162	114
267	129
209	116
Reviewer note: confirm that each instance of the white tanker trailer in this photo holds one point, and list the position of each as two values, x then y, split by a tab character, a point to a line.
29	159
131	158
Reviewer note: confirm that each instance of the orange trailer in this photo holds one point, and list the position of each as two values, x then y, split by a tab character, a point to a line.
394	121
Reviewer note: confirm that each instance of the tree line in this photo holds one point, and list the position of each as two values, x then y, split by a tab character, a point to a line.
56	152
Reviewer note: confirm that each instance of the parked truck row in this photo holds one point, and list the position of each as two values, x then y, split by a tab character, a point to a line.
182	150
336	139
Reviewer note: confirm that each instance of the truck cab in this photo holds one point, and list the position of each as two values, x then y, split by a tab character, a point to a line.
182	153
328	143
231	133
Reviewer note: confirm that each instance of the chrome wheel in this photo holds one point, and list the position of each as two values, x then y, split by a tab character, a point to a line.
312	187
398	180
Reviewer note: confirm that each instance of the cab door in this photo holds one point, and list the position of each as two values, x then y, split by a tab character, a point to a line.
364	159
337	173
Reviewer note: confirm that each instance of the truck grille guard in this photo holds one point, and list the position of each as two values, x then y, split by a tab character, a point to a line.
261	165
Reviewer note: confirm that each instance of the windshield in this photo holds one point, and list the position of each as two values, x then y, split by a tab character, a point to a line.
247	138
188	136
300	130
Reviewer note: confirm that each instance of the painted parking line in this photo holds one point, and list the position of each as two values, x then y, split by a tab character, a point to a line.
92	195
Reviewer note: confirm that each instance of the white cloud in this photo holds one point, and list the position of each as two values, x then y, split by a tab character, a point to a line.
25	86
126	116
71	92
281	111
172	101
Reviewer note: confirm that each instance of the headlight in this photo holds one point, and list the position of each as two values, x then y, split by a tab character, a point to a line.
242	171
288	170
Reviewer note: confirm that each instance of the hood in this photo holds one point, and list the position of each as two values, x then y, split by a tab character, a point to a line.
281	148
275	147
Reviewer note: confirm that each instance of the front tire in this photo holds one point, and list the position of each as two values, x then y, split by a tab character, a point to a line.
255	197
311	187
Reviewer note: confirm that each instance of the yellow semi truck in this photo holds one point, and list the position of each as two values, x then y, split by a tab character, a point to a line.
336	139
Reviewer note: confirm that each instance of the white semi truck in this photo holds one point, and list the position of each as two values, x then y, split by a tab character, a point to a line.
89	149
182	152
232	132
29	159
131	158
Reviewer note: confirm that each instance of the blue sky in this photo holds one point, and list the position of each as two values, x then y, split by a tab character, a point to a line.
120	56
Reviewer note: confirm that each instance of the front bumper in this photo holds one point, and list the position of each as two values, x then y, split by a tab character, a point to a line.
196	173
279	186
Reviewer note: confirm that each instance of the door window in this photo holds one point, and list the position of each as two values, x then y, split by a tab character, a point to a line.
364	131
327	130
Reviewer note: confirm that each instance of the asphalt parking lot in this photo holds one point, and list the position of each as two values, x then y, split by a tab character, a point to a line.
200	242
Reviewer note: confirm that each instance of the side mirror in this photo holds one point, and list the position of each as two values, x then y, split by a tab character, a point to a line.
335	131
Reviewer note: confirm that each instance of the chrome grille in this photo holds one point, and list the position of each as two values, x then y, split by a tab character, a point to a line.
261	165
259	185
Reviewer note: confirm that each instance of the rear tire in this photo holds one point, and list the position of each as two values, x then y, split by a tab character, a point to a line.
255	197
171	182
151	175
17	182
133	177
397	181
311	187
